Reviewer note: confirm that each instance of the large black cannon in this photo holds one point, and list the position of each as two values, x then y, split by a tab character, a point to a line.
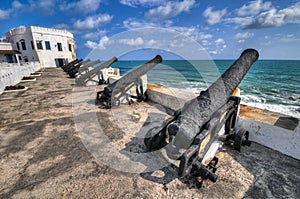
68	64
75	70
112	93
71	64
89	75
192	135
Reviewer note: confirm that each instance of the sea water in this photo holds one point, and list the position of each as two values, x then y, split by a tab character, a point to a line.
269	84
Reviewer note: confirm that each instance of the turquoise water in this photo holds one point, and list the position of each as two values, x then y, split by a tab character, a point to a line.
269	84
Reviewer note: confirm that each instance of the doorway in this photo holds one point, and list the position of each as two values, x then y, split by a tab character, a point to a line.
60	62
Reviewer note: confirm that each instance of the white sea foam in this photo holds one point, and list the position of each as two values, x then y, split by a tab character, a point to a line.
283	109
247	99
252	99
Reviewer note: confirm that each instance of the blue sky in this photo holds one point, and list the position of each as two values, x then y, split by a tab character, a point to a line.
222	28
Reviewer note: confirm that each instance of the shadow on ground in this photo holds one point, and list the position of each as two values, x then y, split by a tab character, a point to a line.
64	144
275	174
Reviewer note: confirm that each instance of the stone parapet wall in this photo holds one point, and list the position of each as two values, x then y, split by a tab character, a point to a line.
12	74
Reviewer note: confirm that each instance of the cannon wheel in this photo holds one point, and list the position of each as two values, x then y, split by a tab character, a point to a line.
113	102
240	139
155	142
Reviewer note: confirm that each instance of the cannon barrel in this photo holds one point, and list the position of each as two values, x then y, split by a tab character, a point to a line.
87	65
75	70
67	64
71	64
82	79
198	111
130	77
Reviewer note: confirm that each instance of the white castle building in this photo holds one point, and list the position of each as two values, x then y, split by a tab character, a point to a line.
50	47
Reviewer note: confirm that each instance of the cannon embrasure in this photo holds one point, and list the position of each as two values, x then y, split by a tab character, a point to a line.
194	134
112	93
94	74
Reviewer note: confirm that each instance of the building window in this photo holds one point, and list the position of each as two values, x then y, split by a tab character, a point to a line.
23	44
70	47
18	46
47	44
32	46
39	45
59	47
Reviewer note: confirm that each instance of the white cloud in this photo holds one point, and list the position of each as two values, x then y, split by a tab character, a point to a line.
219	41
171	9
82	6
253	8
192	32
91	44
289	38
243	35
4	14
132	42
268	19
92	22
17	4
145	3
213	17
152	44
219	46
214	52
292	13
45	7
61	26
205	42
101	45
240	21
94	35
132	23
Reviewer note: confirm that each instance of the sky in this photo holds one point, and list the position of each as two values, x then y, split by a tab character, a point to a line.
222	28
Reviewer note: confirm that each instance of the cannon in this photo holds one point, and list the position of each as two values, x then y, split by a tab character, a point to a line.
69	65
84	66
76	65
89	75
112	93
192	136
87	66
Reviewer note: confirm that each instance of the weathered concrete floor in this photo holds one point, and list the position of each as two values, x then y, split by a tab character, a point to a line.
42	155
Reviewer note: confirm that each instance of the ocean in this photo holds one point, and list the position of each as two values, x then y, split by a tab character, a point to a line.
269	84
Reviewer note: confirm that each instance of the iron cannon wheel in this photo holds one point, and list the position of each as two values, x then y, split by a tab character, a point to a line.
241	139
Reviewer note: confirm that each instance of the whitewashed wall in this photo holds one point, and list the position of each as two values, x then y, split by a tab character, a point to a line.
11	74
44	56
